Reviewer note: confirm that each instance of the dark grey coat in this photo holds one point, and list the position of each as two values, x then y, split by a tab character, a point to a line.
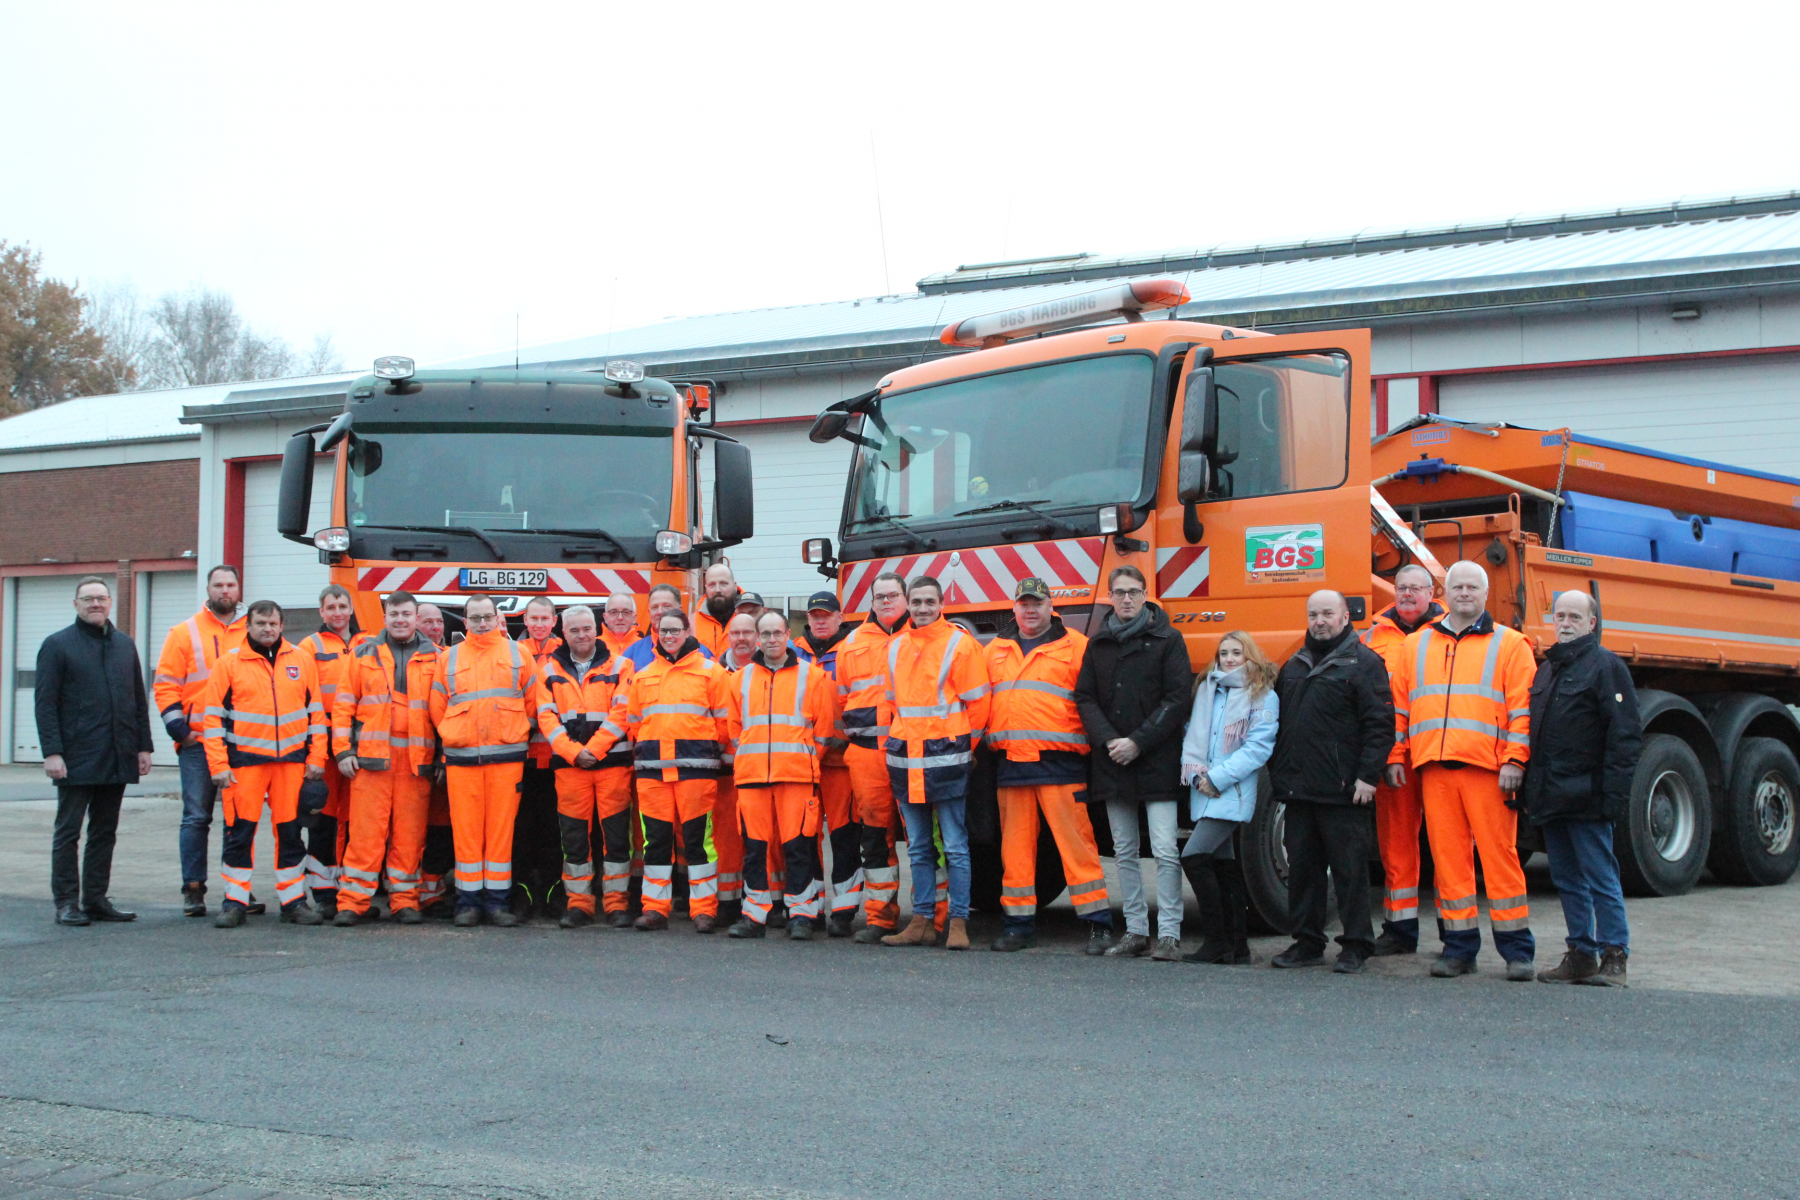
1141	689
91	707
1585	735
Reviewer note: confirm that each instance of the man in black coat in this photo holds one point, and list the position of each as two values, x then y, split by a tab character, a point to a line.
1134	691
93	723
1337	726
1585	739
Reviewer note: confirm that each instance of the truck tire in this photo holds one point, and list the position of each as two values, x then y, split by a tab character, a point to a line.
987	870
1756	842
1265	863
1661	840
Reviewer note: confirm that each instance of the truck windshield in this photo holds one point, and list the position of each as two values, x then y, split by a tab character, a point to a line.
496	478
1063	435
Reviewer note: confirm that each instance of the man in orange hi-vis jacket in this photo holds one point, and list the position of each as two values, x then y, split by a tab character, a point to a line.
782	714
1462	717
328	831
263	725
482	702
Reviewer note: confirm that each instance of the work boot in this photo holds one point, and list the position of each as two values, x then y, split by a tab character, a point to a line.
651	921
1167	949
1448	967
71	914
466	918
958	937
575	918
839	924
730	912
409	916
1612	967
618	920
800	929
1519	971
193	899
301	913
230	917
918	932
1099	939
326	909
255	908
870	935
347	918
441	910
103	910
1577	966
704	924
1298	955
744	927
1349	962
1130	945
1387	946
778	917
505	918
1022	937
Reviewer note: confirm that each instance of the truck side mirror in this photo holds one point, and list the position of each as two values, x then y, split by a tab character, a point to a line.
734	499
1199	436
293	507
827	426
815	551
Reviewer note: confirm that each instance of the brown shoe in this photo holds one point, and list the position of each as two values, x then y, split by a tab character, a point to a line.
703	924
958	937
1577	966
651	921
1612	968
918	933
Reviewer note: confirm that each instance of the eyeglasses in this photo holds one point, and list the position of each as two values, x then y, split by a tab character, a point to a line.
1416	590
1128	593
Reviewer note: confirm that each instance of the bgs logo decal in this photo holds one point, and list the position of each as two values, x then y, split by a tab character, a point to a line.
1278	553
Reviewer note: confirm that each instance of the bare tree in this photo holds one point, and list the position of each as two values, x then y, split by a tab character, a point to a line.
117	312
49	351
323	359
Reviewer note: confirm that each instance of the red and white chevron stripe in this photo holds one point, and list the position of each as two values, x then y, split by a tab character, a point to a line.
575	581
1183	573
986	575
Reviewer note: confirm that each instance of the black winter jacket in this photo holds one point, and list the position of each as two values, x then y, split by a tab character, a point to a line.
1337	723
1141	689
1585	735
91	707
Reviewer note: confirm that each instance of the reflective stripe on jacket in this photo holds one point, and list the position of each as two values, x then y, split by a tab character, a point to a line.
778	720
827	660
482	700
330	654
587	713
675	713
938	692
188	656
862	664
540	656
1034	697
255	711
1464	699
362	720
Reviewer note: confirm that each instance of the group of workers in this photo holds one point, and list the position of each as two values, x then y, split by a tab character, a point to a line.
471	778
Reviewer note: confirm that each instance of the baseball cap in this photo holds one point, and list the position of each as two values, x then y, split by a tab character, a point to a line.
747	598
825	600
1031	585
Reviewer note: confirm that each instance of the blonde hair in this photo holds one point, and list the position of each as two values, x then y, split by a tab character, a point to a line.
1259	672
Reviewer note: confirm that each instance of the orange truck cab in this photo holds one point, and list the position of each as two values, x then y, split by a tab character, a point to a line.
575	485
1233	468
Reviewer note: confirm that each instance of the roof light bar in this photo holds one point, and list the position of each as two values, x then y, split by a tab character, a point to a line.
1125	299
393	366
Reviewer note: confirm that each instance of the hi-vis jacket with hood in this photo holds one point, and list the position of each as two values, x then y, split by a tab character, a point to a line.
938	692
263	708
189	653
362	719
483	699
675	714
778	721
862	677
585	710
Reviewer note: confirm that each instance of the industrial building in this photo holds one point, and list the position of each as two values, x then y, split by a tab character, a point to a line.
1675	327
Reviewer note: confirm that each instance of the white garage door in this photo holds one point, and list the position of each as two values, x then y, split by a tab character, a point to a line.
799	494
1744	412
172	600
274	568
46	604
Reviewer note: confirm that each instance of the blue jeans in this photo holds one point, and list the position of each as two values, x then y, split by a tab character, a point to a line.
1587	875
197	798
921	849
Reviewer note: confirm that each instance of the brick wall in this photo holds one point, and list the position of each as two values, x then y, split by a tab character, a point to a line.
100	514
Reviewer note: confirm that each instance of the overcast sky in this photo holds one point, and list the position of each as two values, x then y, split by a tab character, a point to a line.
408	178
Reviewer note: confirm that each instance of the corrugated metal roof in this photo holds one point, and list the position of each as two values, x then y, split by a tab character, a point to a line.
123	417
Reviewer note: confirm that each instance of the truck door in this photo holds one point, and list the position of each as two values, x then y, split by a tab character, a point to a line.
1264	493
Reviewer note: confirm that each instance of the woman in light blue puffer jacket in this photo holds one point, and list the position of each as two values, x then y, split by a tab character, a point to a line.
1229	737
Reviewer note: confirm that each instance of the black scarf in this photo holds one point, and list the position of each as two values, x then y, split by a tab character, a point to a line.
1320	651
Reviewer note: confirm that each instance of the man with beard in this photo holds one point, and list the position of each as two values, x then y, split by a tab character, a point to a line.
716	611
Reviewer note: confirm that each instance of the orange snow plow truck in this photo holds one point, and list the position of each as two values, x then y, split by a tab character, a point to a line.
1233	468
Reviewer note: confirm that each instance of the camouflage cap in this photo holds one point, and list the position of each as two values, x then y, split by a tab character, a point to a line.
1031	585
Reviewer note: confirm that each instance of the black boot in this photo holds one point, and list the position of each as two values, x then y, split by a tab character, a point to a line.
1210	911
1235	898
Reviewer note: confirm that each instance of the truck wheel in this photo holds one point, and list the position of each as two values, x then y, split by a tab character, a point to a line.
1265	863
1662	838
1755	843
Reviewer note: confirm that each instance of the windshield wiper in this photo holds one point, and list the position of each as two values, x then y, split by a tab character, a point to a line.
1030	506
484	539
923	543
588	533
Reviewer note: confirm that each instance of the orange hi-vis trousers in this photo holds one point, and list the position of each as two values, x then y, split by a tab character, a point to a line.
1399	813
484	803
873	796
683	808
439	859
1466	814
241	805
582	797
728	843
841	827
1074	833
784	815
387	827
